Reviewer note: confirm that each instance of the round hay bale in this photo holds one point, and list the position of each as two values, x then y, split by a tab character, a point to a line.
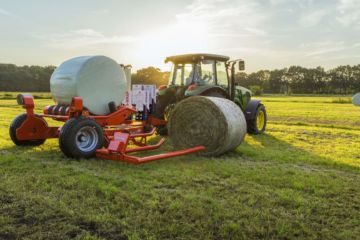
356	99
216	123
99	80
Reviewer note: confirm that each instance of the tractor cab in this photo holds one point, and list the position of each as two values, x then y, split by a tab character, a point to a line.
204	75
201	74
202	70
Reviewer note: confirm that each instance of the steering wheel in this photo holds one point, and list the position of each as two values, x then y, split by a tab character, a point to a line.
206	78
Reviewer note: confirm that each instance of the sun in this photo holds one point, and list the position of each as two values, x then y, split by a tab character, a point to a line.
180	38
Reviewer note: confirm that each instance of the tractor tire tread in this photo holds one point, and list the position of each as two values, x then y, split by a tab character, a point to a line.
252	126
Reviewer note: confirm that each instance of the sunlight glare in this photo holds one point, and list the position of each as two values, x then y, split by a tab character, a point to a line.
180	38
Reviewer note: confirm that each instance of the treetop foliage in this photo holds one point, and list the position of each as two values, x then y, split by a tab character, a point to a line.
295	79
25	78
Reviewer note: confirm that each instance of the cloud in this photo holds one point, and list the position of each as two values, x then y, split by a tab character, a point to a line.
82	38
223	17
313	18
267	33
276	27
277	2
256	31
329	47
6	13
100	12
203	26
325	51
348	12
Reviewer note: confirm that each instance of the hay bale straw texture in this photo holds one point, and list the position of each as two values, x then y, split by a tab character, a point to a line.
216	123
97	79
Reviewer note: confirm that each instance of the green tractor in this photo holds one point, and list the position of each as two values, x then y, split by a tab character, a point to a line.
208	75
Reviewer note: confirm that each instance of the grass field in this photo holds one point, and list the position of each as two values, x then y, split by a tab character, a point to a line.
12	95
301	180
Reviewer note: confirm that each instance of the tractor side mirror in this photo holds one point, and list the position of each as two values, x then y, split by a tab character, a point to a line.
241	65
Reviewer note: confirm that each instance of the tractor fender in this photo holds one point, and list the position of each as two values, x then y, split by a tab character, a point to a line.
250	111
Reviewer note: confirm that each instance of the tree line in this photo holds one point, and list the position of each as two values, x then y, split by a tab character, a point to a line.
37	79
25	78
300	80
150	75
295	79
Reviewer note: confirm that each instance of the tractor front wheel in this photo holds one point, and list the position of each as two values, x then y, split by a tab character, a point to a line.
80	138
258	124
16	123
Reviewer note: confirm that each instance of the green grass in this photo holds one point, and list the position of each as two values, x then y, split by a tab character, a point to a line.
298	181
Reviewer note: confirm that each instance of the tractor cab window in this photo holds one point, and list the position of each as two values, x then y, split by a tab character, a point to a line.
205	73
221	75
182	74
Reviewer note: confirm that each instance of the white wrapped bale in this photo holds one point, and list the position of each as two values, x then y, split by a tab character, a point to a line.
216	123
98	80
356	99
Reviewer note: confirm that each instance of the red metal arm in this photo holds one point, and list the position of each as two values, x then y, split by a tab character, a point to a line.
145	148
141	160
118	151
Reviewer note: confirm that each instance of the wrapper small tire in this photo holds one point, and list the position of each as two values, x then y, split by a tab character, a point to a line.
15	124
80	138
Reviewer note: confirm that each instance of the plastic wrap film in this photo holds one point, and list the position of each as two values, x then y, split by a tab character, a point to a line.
356	99
98	80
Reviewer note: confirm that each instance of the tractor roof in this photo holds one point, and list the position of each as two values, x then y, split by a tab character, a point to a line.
195	57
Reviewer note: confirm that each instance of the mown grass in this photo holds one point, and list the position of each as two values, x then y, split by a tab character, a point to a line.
308	98
298	181
12	95
311	111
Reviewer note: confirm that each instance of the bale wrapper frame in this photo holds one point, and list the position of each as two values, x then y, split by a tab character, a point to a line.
83	135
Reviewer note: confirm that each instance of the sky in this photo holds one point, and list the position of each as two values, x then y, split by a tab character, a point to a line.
267	34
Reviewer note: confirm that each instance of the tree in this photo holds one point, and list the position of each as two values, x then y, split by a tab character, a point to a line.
317	80
241	78
25	78
340	79
150	75
355	79
275	81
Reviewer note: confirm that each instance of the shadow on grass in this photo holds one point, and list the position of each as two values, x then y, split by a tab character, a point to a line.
256	148
269	148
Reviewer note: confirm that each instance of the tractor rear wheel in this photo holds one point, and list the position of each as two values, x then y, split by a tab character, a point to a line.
258	124
80	138
16	123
